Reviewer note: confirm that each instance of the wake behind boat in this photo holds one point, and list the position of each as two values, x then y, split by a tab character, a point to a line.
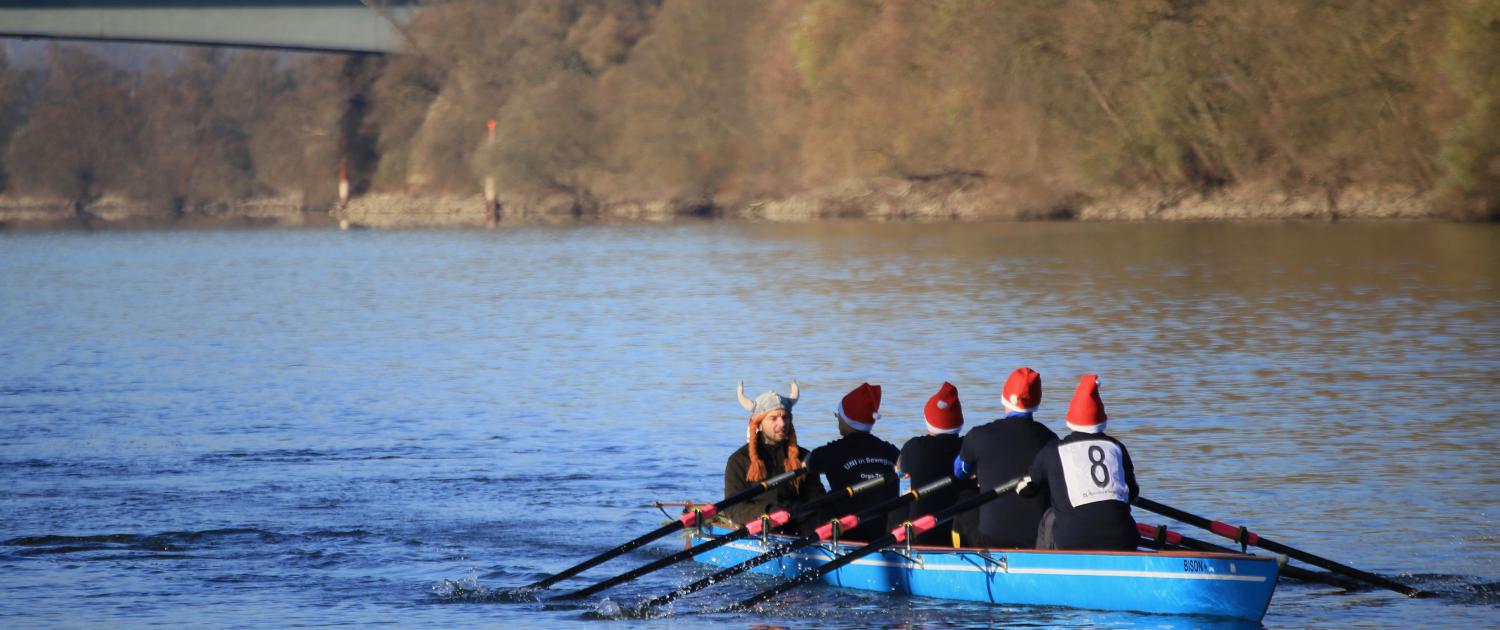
1167	582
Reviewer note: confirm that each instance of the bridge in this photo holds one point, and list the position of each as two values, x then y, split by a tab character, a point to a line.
348	26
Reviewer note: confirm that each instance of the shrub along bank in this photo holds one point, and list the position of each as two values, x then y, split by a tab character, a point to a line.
788	110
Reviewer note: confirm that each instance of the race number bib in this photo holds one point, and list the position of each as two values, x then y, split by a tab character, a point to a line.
1094	471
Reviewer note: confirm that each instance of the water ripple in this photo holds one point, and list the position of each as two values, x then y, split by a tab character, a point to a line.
274	429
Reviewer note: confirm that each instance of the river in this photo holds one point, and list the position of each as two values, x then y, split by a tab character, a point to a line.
295	428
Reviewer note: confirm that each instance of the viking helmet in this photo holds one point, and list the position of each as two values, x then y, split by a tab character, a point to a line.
768	401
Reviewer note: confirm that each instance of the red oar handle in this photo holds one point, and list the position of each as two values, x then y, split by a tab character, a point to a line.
843	523
709	510
698	515
1237	534
930	520
917	526
1175	539
768	522
1245	536
1232	532
867	513
1167	535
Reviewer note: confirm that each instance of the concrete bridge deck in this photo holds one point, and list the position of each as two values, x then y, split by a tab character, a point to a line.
351	26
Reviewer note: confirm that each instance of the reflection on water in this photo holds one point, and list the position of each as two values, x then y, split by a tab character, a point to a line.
273	428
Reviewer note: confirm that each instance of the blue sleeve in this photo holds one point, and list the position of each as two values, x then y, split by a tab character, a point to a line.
960	469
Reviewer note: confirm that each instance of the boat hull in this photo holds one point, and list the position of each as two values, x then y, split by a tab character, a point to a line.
1180	583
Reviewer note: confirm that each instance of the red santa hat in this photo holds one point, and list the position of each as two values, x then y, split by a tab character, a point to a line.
1023	391
943	412
1086	412
861	408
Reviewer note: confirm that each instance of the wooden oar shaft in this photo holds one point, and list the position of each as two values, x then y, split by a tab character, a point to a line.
1245	536
797	514
938	518
878	509
678	525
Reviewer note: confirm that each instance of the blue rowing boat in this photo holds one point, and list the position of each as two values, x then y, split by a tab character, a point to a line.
1167	582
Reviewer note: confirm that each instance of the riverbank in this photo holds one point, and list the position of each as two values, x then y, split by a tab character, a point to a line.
32	213
876	200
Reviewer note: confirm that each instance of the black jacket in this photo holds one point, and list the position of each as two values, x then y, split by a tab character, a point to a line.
998	452
785	496
1089	482
929	458
849	460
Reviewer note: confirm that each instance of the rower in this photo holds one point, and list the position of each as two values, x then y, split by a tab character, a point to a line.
1002	450
928	458
857	456
1088	481
770	449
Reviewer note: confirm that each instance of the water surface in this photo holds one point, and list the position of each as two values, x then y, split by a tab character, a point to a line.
286	428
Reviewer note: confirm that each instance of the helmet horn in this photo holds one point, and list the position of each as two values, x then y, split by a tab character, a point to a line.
745	402
793	394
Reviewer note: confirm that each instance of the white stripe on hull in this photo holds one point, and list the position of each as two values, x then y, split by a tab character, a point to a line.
1169	575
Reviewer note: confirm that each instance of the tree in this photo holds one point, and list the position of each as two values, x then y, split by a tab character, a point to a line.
81	136
1471	148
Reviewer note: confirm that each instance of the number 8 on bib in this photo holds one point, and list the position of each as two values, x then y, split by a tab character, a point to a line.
1094	471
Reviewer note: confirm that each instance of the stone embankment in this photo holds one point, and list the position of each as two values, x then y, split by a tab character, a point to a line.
878	200
28	213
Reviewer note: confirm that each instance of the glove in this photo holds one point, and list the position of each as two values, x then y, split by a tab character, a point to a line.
960	470
1026	488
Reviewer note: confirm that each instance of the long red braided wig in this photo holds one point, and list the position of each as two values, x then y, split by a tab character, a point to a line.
757	470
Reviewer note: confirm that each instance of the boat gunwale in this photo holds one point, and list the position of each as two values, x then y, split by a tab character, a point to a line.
1242	604
1219	555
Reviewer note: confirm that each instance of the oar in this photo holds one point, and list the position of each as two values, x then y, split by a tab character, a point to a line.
753	528
1154	535
914	527
1247	537
688	520
823	533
